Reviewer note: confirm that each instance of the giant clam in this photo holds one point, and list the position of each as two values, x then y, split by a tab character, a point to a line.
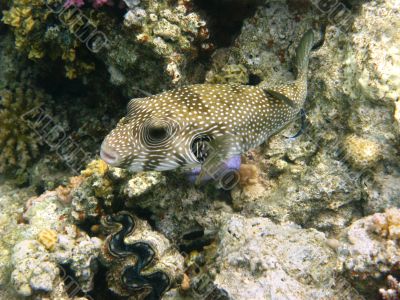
141	262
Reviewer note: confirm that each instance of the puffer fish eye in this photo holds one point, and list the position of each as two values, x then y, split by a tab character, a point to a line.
157	134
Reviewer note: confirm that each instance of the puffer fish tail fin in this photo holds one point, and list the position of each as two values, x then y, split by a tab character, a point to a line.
303	53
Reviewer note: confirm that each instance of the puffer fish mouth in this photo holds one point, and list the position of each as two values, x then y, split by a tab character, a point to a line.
109	155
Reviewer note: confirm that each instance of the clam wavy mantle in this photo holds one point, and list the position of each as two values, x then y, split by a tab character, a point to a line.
141	261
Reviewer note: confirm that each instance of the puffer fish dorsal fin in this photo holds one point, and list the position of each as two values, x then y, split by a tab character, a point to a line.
134	105
279	96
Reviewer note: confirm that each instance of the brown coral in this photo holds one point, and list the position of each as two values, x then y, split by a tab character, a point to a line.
19	143
98	167
40	32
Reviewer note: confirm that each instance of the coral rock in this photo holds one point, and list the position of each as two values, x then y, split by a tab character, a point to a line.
34	269
257	259
369	247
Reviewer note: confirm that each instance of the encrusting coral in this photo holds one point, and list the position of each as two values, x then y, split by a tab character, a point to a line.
361	152
91	188
18	140
232	74
34	268
41	243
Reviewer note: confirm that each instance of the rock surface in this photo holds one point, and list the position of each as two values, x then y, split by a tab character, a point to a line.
257	259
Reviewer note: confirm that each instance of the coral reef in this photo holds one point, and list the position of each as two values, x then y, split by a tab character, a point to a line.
73	247
33	268
350	141
291	170
154	32
171	30
242	243
42	30
393	293
170	34
264	45
19	143
89	190
376	54
257	259
370	247
141	261
363	74
27	265
11	205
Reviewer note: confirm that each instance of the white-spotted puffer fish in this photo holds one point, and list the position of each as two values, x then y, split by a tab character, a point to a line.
196	124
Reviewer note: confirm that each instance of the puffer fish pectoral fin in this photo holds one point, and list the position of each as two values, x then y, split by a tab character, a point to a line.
215	165
303	125
227	175
201	178
280	96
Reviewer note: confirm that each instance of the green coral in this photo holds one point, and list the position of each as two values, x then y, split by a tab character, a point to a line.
40	33
18	142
